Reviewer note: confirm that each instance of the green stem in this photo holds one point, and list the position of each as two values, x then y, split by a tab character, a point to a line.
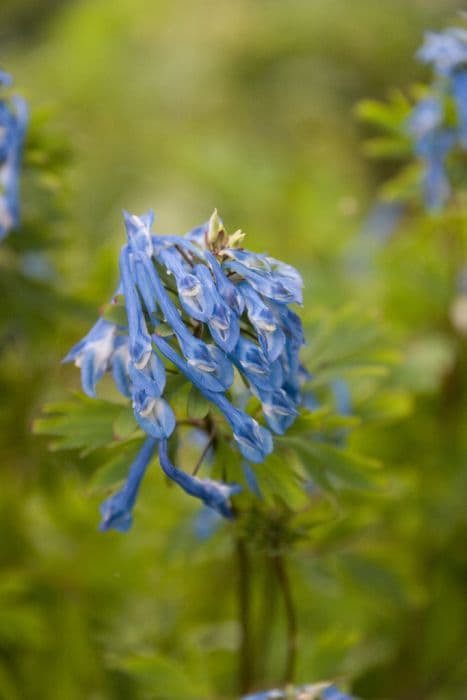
291	620
266	618
244	589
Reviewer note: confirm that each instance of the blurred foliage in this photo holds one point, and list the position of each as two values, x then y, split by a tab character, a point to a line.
246	106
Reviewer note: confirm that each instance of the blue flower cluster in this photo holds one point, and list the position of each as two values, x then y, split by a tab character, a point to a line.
438	123
219	315
317	691
13	122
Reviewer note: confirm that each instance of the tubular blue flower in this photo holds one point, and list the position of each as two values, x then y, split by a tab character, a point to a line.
214	494
271	337
138	230
194	297
117	511
155	417
253	364
223	322
92	354
279	409
120	365
226	289
152	413
13	123
267	282
148	382
140	341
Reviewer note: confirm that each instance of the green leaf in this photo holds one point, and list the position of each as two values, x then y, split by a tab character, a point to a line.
346	342
332	467
83	423
385	115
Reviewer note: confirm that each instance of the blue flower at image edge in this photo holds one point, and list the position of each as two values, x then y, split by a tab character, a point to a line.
13	123
446	53
211	311
317	691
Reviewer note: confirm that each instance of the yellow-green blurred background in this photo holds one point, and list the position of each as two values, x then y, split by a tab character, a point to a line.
247	106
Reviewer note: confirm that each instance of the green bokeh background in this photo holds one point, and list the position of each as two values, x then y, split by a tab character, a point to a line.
247	106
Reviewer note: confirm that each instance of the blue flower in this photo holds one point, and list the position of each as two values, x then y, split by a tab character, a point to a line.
117	511
434	138
446	51
317	691
279	409
140	341
93	354
214	494
156	418
226	288
254	365
13	123
194	297
268	276
222	322
138	230
185	300
270	335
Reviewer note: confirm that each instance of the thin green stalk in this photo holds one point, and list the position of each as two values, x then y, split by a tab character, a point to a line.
290	616
245	671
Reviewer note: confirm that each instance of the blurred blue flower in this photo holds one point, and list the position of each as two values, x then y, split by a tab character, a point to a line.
433	134
316	691
13	122
445	51
185	299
